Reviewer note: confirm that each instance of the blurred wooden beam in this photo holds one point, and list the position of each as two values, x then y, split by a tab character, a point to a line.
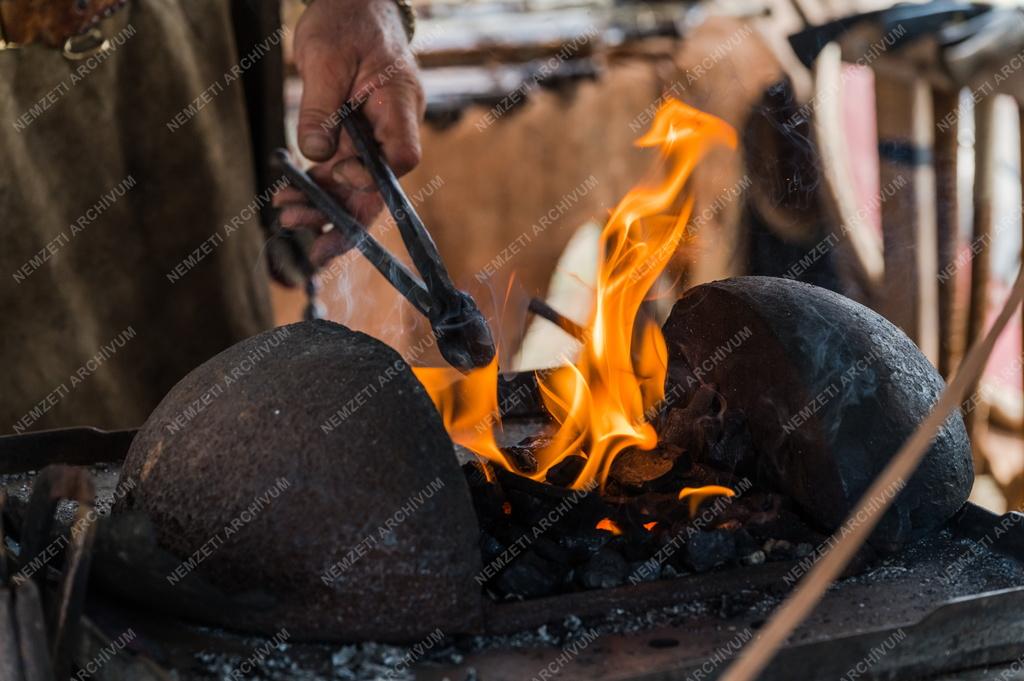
861	249
981	242
952	326
905	145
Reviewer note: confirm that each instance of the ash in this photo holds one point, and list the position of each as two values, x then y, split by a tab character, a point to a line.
312	662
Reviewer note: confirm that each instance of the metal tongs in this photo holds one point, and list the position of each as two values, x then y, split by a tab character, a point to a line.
463	336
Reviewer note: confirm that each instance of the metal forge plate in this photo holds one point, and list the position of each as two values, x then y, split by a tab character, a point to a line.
949	603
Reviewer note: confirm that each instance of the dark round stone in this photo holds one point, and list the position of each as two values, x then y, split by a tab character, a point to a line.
830	391
307	462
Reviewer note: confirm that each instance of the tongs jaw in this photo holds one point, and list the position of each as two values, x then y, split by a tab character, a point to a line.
462	334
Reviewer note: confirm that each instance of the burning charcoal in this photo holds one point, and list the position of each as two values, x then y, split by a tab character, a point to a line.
566	509
635	536
681	462
565	472
755	507
670	482
476	473
680	424
665	507
634	468
675	429
673	535
519	395
535	442
526	508
532	500
509	481
706	550
522	458
529	576
735	448
607	568
488	498
702	474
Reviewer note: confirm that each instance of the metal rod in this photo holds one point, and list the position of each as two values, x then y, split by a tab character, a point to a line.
545	311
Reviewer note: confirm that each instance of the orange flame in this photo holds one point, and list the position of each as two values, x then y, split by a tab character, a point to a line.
602	402
698	494
468	405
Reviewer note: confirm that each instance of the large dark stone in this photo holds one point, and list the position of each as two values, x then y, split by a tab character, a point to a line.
830	391
309	463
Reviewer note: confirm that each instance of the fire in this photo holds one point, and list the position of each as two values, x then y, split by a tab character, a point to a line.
608	525
603	401
697	495
468	405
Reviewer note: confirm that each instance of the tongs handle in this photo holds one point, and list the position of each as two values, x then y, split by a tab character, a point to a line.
463	336
417	239
395	272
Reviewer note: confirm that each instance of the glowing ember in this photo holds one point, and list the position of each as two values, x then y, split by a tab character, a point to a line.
602	402
608	525
696	495
651	525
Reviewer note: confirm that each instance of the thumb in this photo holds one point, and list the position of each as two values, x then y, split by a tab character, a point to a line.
327	75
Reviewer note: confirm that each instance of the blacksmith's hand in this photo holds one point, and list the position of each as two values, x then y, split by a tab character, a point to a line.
351	50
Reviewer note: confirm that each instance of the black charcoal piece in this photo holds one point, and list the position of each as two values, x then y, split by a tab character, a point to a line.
707	550
529	576
606	569
565	472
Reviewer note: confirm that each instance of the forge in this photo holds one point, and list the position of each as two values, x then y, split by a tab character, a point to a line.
671	561
634	512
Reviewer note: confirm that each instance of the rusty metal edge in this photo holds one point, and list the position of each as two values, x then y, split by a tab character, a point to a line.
79	446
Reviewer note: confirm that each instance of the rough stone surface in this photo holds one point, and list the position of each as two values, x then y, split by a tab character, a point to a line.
309	463
830	390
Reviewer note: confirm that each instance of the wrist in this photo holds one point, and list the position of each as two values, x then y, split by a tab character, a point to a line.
405	12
